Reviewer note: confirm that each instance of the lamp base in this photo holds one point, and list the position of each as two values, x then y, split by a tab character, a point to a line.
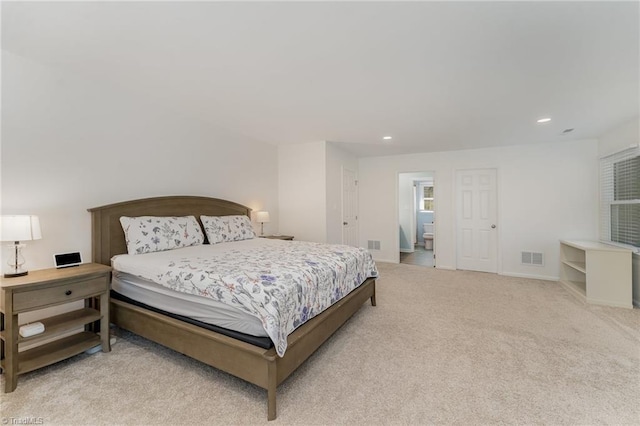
16	274
16	260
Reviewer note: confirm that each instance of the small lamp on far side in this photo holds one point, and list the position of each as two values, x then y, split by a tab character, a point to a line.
16	229
262	218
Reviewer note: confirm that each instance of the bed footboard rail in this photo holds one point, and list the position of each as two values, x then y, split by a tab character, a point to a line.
233	356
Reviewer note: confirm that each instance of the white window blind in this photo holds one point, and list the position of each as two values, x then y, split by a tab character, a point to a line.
620	198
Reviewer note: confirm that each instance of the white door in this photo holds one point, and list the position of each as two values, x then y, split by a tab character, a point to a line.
349	208
477	236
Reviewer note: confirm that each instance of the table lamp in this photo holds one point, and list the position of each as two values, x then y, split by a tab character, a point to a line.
16	229
262	217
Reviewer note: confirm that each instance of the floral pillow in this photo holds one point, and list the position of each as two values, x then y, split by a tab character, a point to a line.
227	228
216	228
240	227
147	234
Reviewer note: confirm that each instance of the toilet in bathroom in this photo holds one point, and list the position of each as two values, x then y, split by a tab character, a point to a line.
428	236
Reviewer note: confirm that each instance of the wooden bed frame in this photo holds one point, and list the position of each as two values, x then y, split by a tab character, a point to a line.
256	365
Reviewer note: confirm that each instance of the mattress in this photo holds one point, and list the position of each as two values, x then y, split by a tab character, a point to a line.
247	285
201	309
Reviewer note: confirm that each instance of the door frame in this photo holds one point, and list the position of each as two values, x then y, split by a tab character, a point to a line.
433	174
357	205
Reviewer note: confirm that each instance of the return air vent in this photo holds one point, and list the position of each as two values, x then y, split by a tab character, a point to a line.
373	245
532	258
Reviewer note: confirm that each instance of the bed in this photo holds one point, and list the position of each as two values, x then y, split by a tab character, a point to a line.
250	361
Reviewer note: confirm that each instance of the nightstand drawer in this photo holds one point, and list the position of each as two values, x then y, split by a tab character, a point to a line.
43	297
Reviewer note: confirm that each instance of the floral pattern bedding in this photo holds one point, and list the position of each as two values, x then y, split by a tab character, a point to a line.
222	229
147	234
283	283
217	230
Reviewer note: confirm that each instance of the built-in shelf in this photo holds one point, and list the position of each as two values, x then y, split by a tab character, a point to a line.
596	272
577	287
579	266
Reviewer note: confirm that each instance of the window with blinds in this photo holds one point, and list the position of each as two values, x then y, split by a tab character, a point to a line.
620	198
426	201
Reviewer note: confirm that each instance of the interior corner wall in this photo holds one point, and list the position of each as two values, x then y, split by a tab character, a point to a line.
302	190
70	143
545	193
620	137
337	160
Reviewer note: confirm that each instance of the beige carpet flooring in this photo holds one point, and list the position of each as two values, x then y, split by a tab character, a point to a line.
441	347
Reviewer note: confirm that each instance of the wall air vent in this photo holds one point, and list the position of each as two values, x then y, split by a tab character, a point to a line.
373	245
532	258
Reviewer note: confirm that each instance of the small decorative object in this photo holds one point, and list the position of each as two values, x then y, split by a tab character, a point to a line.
262	217
16	229
31	329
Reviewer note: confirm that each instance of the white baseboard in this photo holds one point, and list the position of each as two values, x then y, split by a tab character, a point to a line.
407	250
445	267
535	277
397	262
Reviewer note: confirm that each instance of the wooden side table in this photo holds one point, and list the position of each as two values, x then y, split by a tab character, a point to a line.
278	237
52	287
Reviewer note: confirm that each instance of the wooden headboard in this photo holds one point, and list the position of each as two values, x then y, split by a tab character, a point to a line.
107	236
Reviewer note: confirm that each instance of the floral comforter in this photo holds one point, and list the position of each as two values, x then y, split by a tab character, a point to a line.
283	283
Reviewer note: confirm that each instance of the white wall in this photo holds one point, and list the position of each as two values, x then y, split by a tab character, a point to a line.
310	188
69	144
546	192
337	159
302	188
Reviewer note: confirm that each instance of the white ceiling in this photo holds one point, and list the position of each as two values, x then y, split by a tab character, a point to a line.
434	75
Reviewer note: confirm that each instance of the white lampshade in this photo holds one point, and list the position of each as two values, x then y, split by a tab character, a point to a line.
20	228
262	217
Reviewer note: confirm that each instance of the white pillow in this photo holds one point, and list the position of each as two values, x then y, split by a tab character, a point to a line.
147	234
227	228
217	230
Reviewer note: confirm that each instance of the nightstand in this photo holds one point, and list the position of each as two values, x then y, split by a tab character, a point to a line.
278	237
52	287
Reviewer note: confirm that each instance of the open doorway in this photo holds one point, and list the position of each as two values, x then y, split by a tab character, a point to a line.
416	216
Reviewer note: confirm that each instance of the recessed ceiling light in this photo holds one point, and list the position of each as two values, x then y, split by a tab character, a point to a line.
544	120
386	138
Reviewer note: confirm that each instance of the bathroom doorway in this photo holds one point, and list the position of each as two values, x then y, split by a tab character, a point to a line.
416	215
